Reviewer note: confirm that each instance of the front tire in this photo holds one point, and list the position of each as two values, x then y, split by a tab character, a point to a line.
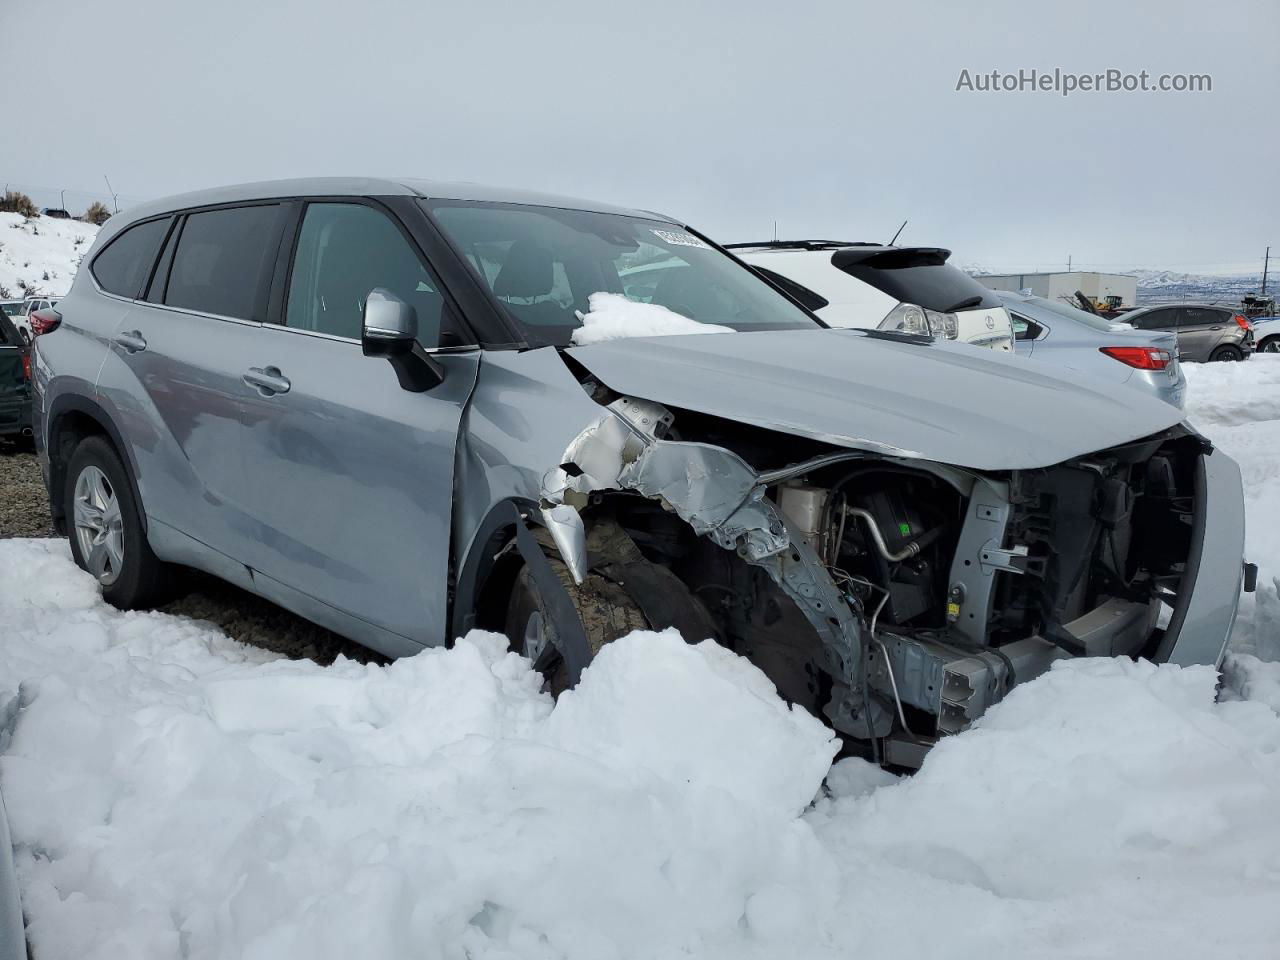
1226	354
107	537
605	609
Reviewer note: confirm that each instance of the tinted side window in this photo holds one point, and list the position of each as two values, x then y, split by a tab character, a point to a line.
344	251
1157	320
125	263
223	262
1197	317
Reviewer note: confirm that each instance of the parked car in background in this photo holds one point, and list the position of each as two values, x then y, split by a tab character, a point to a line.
405	410
1205	332
872	286
1266	333
56	213
15	381
1058	333
32	304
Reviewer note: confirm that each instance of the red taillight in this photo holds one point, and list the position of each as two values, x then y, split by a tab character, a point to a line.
1243	321
26	366
1144	358
44	321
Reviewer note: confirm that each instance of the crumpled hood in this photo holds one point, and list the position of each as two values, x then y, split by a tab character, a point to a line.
948	403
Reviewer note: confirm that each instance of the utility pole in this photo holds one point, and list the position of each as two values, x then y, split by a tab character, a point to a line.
115	206
63	195
1068	263
1266	261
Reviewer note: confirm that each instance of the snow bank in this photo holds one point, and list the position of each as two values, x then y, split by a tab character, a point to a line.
41	255
614	317
173	793
1237	406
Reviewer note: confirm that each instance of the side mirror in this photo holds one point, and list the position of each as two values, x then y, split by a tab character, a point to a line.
389	328
389	325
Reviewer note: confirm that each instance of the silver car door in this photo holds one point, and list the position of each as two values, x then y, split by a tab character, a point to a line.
351	474
172	376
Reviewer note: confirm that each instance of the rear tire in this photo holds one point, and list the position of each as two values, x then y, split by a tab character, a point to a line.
1269	345
105	527
1226	354
605	609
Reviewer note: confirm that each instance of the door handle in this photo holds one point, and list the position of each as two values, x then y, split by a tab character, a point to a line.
1218	327
132	341
268	380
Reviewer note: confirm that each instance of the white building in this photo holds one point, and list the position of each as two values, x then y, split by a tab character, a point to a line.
1063	286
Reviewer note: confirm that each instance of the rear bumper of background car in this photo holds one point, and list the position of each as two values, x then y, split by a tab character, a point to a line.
15	417
1210	592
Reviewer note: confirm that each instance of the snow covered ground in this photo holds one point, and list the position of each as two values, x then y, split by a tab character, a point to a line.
173	793
40	255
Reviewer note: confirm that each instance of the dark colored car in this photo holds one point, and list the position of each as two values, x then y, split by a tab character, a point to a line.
1205	332
15	381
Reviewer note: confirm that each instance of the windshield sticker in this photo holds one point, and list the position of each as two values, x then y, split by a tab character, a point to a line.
680	239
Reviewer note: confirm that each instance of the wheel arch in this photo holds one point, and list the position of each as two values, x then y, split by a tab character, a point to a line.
490	563
73	418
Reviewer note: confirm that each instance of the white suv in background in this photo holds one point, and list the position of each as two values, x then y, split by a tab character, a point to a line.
912	289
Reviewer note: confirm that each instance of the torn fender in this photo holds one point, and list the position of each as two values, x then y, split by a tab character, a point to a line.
721	497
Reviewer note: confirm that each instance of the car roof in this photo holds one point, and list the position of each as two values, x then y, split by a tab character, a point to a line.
362	187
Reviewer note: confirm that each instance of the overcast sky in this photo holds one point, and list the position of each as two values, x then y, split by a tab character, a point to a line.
836	119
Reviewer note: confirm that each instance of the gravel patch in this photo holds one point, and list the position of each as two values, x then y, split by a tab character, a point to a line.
24	512
250	619
24	504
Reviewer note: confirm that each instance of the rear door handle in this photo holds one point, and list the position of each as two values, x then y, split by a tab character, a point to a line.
132	341
269	380
1218	327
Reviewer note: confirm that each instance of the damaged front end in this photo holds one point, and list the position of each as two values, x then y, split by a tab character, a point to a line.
900	597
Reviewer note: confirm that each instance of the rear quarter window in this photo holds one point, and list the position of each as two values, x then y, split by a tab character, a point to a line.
125	263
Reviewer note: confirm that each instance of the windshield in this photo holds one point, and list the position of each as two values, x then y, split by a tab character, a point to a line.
1073	313
544	264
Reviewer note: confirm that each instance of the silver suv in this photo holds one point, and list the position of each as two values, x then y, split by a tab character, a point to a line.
405	409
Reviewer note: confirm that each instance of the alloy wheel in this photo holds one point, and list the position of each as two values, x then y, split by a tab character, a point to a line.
99	527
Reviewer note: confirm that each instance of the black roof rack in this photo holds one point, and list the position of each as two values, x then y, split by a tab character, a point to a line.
804	244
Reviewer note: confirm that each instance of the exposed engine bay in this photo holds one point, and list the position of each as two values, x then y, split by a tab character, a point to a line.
899	598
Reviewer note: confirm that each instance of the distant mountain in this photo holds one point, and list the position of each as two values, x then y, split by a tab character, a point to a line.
1160	286
1165	286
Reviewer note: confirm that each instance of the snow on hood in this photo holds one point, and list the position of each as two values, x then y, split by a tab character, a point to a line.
173	793
614	317
948	403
